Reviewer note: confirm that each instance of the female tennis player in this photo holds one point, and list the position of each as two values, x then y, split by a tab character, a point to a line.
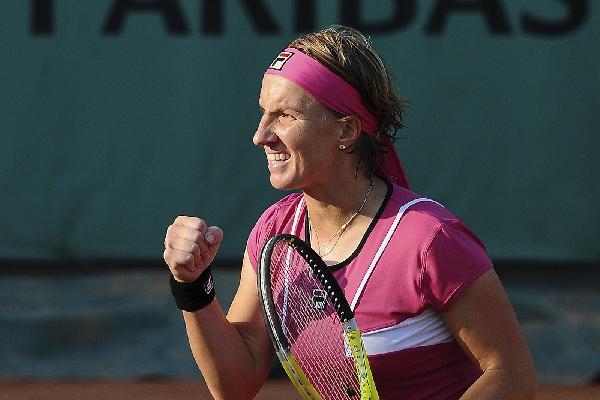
435	320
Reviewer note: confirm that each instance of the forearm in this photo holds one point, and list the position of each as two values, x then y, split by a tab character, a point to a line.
497	384
227	361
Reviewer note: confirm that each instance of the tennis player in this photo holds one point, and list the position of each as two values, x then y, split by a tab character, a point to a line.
435	320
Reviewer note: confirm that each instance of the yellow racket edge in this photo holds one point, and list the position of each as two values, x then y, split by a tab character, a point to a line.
300	381
368	391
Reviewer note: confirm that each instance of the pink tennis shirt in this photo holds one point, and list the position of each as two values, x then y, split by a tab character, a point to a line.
430	258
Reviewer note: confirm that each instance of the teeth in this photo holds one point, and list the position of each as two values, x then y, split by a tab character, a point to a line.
277	156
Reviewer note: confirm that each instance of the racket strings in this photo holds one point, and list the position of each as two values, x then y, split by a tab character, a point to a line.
311	326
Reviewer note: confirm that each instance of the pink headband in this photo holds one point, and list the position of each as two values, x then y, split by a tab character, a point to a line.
337	94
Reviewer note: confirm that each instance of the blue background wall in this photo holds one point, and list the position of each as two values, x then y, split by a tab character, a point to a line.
114	121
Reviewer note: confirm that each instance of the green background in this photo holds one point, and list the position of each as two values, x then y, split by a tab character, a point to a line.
105	138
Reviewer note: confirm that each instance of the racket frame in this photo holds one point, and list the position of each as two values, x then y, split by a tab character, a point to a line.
321	271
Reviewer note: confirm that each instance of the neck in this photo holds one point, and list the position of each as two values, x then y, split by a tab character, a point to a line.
337	228
333	205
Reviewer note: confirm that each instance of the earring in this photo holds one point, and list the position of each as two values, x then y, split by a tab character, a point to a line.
342	147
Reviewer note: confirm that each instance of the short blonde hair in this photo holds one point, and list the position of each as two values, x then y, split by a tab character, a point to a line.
348	53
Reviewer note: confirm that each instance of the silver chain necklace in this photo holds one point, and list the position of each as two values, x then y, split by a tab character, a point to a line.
340	231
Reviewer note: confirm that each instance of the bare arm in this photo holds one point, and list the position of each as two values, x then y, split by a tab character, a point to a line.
483	323
233	352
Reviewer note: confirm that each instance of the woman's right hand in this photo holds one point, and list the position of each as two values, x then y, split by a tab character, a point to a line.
190	247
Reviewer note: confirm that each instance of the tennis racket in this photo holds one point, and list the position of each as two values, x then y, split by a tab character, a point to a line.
311	323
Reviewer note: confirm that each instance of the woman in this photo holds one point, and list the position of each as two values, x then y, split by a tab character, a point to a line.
435	319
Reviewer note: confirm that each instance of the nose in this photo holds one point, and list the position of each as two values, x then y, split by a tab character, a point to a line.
264	135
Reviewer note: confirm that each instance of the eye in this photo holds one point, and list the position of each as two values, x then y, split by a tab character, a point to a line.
286	117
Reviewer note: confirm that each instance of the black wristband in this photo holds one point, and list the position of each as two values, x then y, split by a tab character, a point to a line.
192	296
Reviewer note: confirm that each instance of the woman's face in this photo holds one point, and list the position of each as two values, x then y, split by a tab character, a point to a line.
299	135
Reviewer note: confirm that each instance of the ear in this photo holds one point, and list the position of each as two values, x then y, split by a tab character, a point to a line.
351	128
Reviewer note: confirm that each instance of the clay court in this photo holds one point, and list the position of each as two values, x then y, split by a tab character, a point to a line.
187	389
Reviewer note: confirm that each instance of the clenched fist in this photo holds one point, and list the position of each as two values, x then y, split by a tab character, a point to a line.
190	246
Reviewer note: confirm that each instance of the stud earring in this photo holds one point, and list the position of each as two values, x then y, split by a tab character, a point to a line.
342	147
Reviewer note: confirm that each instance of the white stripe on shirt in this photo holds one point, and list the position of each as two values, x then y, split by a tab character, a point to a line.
425	329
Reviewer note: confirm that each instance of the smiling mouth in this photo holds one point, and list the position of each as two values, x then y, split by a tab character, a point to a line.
278	156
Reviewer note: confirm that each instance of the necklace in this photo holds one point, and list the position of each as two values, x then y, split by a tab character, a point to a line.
340	231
